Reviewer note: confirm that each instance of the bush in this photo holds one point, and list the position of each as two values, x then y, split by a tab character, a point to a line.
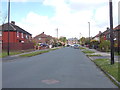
105	46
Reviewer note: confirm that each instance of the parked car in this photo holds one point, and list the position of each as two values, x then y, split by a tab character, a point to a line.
76	46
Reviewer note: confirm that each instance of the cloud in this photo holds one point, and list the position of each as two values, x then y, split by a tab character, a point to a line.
71	18
22	0
37	24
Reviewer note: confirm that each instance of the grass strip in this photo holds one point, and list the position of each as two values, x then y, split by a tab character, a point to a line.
82	48
117	54
88	51
34	53
93	55
4	54
105	65
37	53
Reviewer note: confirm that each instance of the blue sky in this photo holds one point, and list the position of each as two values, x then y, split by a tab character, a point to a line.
71	17
21	9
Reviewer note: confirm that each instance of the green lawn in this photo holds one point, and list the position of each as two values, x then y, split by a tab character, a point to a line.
117	54
34	53
82	48
88	51
105	65
37	53
4	54
93	55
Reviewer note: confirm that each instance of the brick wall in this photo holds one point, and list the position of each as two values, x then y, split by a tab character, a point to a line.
18	46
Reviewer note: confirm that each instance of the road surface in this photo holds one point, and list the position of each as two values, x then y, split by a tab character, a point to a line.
62	68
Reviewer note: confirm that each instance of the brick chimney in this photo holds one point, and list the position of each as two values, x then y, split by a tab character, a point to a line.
13	22
107	28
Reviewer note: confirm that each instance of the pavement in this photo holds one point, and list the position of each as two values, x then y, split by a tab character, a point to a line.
61	68
103	55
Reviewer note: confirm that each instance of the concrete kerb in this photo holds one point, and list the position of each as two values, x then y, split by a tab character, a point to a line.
102	54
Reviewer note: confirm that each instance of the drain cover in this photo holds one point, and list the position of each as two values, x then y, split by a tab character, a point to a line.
50	81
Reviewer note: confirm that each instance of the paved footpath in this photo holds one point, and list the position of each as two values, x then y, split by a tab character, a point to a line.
103	55
62	68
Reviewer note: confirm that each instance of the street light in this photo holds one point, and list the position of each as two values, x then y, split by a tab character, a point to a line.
111	32
89	34
57	32
8	26
57	36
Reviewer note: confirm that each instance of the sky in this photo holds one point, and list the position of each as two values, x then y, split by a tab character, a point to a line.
71	17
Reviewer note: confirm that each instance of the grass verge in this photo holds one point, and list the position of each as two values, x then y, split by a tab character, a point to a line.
37	53
117	54
34	53
4	54
105	65
88	51
82	48
93	55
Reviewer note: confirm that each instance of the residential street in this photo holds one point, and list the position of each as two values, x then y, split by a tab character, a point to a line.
62	68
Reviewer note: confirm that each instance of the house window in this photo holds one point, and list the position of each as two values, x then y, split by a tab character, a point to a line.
22	35
26	36
39	38
0	33
17	34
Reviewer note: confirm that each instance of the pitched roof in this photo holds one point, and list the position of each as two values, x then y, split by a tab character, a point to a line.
42	35
117	27
13	27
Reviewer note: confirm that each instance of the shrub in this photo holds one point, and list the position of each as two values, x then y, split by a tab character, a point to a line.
105	46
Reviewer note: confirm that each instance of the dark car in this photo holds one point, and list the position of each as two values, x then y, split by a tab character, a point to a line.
76	46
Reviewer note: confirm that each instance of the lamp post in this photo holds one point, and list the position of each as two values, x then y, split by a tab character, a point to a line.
111	32
8	26
89	33
57	32
57	36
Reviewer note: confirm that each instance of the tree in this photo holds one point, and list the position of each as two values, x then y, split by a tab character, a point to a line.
82	40
63	39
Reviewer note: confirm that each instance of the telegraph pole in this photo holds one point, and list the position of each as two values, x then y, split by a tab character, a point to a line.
111	32
89	34
57	32
8	50
57	36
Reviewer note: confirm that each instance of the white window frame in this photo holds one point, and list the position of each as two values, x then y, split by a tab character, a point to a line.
22	35
26	36
17	34
39	38
0	33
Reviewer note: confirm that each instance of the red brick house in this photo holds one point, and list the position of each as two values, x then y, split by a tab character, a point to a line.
43	38
19	39
106	36
117	38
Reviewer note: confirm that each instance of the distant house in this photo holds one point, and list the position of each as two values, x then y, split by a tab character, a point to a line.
19	39
43	38
72	41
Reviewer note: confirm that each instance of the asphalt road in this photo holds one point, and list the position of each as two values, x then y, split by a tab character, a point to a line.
62	68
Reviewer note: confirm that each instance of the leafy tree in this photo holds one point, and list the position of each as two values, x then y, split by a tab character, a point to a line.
63	39
82	40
